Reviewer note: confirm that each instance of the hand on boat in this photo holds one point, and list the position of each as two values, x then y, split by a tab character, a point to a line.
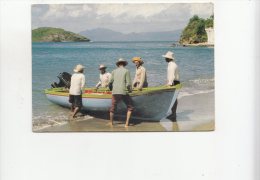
129	88
110	86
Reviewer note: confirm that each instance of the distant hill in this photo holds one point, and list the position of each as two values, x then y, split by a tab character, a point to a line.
49	34
101	34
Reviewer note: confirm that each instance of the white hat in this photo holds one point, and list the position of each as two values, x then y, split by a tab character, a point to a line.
102	66
121	60
169	55
78	68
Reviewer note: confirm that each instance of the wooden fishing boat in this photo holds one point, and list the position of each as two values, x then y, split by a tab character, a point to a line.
152	103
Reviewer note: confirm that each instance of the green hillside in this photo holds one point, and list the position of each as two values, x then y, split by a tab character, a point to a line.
49	34
195	32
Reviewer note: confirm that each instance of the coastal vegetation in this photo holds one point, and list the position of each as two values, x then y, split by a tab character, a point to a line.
194	32
49	34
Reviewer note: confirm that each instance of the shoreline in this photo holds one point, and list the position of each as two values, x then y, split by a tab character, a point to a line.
189	118
193	45
198	45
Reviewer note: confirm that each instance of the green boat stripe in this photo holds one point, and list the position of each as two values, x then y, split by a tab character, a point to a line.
145	91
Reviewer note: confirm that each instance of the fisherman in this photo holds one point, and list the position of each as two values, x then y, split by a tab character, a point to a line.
172	78
140	80
104	77
76	89
120	84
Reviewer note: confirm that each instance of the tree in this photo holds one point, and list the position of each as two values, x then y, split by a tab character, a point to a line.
210	22
195	32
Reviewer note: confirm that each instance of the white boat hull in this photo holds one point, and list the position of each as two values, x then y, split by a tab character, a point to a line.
152	106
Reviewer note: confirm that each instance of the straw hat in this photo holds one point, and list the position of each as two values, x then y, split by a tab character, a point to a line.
78	68
169	55
102	66
139	59
121	60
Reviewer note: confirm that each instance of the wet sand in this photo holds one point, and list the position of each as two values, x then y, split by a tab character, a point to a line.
194	113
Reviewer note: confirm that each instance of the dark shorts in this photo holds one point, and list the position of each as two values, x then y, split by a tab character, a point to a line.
76	100
175	82
116	98
145	85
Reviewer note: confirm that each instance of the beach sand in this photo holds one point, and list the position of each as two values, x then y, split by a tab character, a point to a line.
194	113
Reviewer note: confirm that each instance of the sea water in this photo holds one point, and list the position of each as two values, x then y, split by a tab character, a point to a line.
196	66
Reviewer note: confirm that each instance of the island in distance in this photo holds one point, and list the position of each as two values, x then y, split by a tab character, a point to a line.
50	34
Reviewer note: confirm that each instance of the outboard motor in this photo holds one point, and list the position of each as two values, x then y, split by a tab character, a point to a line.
64	80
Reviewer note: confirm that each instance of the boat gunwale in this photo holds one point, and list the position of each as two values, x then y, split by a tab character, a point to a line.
153	90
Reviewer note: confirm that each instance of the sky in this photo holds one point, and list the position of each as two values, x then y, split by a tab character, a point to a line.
125	18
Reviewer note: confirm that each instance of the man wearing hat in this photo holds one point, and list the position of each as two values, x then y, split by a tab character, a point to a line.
104	77
120	83
77	84
172	78
140	79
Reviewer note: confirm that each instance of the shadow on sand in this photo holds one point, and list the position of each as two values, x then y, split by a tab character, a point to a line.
118	118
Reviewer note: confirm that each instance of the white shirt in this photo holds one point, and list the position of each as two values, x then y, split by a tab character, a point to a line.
140	77
172	72
77	83
104	79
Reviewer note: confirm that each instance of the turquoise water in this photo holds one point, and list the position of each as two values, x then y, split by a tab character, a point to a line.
49	59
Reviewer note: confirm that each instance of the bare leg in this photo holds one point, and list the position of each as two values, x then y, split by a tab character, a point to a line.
76	110
128	116
111	119
71	112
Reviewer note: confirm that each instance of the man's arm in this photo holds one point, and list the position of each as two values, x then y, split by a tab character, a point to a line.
83	79
134	81
110	84
128	81
142	78
98	84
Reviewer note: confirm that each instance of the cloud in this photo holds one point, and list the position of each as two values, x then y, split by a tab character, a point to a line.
131	10
123	17
204	10
60	11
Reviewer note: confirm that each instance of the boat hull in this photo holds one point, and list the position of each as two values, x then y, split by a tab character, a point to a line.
154	105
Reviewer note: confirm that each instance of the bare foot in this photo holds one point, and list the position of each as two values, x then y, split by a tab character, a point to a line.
126	126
